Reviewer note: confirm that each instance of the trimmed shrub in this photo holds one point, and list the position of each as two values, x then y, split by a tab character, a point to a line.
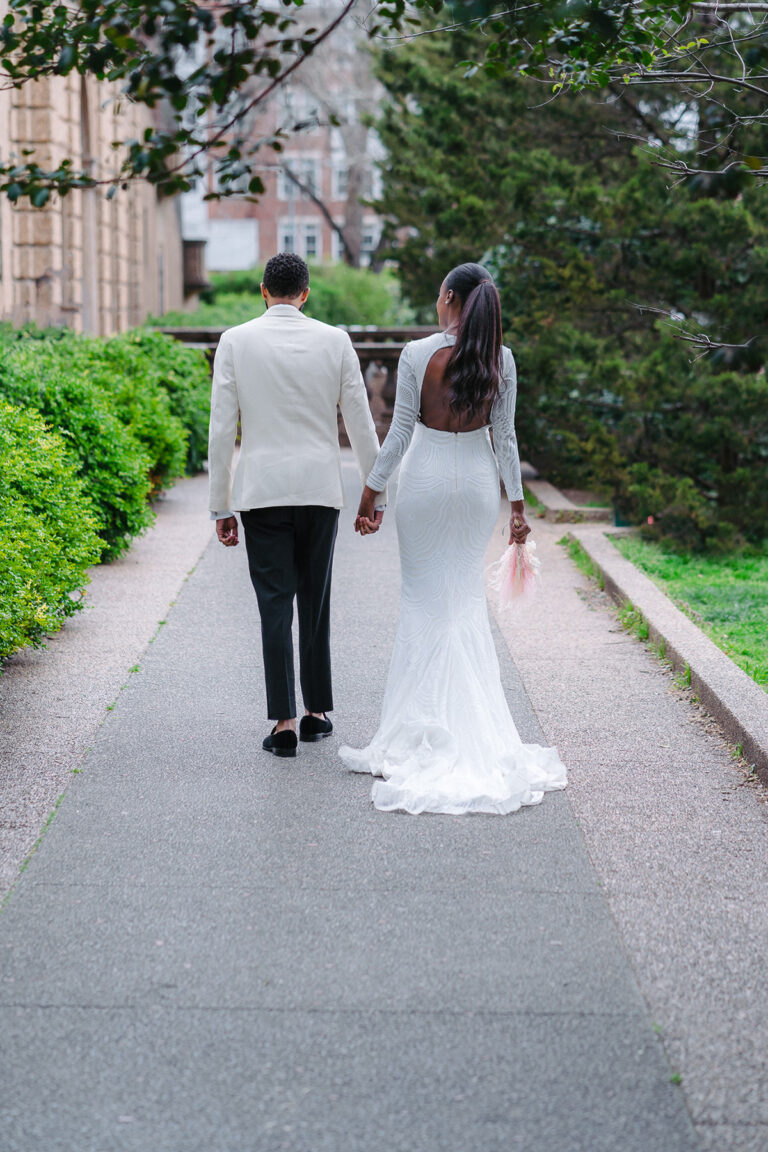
137	399
48	533
181	372
339	295
111	462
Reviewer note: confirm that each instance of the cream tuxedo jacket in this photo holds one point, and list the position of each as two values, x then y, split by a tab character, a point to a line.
283	376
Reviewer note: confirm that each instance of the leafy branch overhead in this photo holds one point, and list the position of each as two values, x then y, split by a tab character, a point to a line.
208	70
713	55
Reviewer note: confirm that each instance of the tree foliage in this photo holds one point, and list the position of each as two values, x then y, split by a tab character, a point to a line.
209	69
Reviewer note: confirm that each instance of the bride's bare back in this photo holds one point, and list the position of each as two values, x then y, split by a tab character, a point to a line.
435	411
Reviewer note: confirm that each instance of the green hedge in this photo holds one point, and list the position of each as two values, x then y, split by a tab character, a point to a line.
133	411
138	401
177	377
338	295
110	461
48	533
89	430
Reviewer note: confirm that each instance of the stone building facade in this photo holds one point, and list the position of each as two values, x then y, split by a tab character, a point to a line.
93	264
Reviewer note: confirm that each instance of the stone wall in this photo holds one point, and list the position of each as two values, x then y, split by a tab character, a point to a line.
93	264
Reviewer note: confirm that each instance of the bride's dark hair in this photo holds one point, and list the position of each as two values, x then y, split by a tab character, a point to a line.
472	371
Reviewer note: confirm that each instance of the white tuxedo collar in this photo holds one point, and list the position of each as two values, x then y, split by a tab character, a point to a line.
284	310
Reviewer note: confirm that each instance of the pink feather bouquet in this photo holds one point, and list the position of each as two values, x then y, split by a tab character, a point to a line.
515	577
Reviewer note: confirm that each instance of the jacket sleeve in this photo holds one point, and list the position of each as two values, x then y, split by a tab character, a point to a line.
407	404
503	425
356	412
225	412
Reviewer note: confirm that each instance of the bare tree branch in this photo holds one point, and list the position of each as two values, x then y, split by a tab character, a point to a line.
716	8
621	92
309	191
700	339
278	80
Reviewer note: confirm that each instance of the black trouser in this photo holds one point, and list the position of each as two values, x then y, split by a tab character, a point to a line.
290	554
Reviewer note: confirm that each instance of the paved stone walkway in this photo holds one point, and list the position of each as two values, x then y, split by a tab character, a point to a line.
218	951
53	699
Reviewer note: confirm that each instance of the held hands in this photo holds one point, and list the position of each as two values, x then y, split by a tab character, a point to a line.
226	530
368	520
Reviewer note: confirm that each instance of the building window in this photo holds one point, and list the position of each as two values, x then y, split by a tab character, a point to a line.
369	240
337	248
340	182
301	236
311	241
307	169
287	239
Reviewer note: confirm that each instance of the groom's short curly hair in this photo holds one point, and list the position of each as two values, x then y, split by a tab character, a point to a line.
286	275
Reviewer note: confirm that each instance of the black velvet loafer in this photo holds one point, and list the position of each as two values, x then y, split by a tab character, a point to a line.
310	728
281	743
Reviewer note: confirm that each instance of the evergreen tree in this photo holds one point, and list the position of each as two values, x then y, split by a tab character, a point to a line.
589	243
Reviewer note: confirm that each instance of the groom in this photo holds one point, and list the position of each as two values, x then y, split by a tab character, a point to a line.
282	377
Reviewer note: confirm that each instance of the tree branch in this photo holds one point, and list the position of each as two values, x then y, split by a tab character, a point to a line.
715	7
621	92
309	192
700	339
270	88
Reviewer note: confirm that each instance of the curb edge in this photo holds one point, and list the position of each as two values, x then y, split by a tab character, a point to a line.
738	704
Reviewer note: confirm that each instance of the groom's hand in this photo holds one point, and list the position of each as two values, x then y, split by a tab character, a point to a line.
367	525
226	530
368	519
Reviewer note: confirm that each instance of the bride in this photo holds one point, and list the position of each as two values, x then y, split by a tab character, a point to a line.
447	742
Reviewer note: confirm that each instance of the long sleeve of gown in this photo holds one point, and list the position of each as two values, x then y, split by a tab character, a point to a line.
503	425
406	410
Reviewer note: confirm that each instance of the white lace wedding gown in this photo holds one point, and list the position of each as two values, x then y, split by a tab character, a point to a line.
447	742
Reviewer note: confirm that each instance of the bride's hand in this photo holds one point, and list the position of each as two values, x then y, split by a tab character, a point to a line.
368	520
518	528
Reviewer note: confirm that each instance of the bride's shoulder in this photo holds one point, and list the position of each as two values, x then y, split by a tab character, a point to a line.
425	346
507	360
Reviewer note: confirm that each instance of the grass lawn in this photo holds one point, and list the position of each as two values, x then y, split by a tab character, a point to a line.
727	596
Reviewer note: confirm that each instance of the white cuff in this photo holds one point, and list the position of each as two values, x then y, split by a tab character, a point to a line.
221	515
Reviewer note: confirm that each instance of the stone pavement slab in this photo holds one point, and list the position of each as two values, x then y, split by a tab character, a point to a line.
214	949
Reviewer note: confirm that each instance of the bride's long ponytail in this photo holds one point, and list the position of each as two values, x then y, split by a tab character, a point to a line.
472	371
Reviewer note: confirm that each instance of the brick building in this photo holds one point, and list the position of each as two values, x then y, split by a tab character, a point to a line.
93	264
323	211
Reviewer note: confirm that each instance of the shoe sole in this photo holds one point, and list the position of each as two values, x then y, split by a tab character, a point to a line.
281	751
314	737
